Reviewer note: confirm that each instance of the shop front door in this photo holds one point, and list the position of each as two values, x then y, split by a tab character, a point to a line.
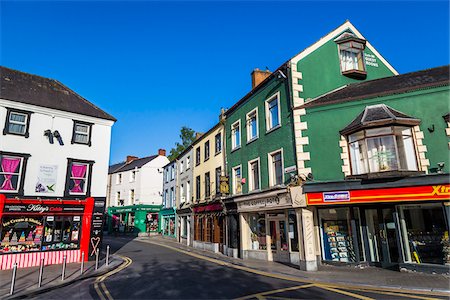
279	243
382	237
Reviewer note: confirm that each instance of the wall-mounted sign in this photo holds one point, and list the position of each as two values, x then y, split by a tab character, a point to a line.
290	169
371	60
278	201
224	185
46	181
401	194
42	208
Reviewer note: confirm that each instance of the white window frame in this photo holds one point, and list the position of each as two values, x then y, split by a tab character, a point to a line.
172	172
182	193
269	116
118	178
234	179
270	166
250	175
248	125
188	191
132	196
188	162
234	145
75	132
133	176
85	178
18	123
181	166
19	173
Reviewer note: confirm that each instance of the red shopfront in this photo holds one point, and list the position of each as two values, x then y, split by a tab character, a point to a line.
209	224
32	230
391	227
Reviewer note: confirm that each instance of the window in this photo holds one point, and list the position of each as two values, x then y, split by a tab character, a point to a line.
172	197
188	162
131	196
81	133
119	178
166	198
188	191
197	156
351	55
382	149
79	177
273	113
133	176
218	140
11	172
118	198
206	150
172	172
182	197
237	180
197	188
252	125
257	225
181	167
253	167
276	168
17	122
218	174
236	135
207	185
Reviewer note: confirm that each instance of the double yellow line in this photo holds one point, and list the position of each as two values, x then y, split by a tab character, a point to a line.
100	286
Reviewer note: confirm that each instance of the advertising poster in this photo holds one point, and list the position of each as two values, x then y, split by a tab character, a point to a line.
46	181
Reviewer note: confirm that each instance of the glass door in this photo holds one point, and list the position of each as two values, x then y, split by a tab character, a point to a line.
279	243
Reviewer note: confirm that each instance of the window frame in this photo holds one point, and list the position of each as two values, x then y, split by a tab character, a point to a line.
188	162
22	171
198	156
207	185
233	174
249	128
132	196
89	125
271	170
269	127
88	182
251	188
218	137
218	173
6	131
234	145
198	188
207	150
348	46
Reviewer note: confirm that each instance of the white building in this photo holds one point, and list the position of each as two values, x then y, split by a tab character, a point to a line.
54	149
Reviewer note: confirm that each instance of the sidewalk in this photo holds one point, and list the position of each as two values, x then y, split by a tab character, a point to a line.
27	278
347	275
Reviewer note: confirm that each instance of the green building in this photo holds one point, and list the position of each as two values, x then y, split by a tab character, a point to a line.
379	159
267	149
140	219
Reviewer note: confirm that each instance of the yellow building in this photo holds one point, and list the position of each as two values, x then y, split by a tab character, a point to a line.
208	158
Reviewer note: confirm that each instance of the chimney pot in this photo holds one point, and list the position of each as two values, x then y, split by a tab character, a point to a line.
259	76
130	158
162	152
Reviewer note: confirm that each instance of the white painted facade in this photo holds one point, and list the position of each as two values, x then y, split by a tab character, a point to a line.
43	153
147	185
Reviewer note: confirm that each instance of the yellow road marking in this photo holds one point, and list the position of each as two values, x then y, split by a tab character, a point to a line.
344	292
262	294
395	294
102	291
295	279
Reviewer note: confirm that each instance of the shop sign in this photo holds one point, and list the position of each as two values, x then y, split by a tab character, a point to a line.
290	169
23	219
46	181
41	208
263	203
224	185
207	208
96	227
122	210
403	194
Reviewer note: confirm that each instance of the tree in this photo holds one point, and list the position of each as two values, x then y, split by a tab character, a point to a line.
187	136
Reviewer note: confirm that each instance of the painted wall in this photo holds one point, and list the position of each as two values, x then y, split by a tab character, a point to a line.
325	122
184	176
169	183
267	142
42	152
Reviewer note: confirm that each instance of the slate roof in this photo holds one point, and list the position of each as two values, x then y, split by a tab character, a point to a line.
385	86
45	92
137	163
376	115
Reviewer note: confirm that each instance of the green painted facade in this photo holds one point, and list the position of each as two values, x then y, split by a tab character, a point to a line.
428	105
139	211
266	142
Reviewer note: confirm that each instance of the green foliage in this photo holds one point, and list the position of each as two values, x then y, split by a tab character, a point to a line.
187	136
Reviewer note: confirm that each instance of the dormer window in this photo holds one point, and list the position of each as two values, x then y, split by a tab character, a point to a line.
351	55
381	142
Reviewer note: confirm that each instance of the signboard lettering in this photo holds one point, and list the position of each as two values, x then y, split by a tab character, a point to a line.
336	196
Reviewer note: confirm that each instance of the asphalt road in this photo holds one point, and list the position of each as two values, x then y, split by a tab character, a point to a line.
155	272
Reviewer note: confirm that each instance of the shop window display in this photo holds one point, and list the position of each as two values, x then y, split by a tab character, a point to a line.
257	224
426	234
61	232
337	237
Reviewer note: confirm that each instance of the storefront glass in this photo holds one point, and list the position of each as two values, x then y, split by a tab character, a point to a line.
257	223
425	234
293	232
337	235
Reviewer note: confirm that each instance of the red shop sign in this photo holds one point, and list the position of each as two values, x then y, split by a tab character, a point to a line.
403	194
206	208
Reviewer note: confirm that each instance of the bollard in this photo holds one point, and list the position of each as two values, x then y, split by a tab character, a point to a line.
64	268
96	259
82	263
41	270
13	279
107	255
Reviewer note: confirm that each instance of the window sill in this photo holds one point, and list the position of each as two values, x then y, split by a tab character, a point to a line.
206	159
356	74
385	174
252	140
217	153
235	149
273	129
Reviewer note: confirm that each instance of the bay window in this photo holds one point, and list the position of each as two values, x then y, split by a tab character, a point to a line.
351	55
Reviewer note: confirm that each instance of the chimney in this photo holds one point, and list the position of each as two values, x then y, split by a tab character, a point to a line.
162	152
222	114
258	76
130	158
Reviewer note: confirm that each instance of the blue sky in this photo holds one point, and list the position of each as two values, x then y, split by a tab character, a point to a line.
157	66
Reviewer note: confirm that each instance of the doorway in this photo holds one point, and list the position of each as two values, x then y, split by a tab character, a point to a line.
382	237
278	239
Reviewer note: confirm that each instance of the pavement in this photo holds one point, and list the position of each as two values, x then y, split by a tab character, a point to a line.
366	276
27	278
